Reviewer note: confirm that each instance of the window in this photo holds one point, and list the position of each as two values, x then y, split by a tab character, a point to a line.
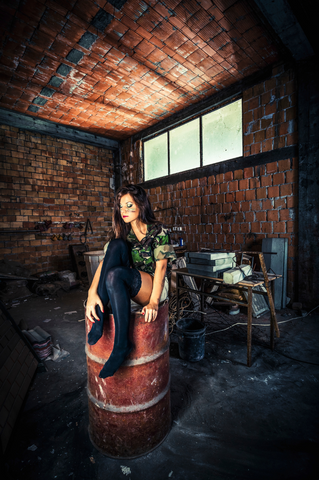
210	138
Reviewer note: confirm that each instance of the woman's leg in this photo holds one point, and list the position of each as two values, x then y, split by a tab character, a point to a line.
122	284
117	254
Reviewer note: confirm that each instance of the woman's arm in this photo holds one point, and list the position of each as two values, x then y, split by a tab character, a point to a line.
151	309
93	299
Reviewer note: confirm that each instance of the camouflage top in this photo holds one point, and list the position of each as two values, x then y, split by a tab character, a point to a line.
154	246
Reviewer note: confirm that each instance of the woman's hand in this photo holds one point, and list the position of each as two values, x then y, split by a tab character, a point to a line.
150	311
92	301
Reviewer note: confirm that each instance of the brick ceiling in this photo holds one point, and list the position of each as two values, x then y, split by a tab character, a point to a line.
114	68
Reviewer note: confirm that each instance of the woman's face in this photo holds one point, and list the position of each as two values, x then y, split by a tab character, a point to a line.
128	208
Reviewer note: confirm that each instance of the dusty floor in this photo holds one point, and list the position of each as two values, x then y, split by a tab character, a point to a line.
228	421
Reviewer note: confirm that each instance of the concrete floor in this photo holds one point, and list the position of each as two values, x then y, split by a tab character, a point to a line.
228	421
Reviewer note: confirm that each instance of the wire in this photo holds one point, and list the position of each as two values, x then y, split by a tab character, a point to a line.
261	324
296	359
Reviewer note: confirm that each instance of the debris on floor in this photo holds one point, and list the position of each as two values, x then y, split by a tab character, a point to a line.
58	354
40	340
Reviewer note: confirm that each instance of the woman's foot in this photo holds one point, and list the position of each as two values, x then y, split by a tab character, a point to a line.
115	360
96	331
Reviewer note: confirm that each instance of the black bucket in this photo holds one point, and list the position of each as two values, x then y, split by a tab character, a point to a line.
191	339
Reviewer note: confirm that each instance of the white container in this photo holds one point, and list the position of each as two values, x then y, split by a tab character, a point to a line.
92	261
237	274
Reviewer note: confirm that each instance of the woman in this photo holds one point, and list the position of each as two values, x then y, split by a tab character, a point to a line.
134	267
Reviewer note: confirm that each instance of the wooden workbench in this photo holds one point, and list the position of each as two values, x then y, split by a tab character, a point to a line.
248	285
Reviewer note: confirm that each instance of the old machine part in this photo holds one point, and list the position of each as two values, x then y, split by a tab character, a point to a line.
210	263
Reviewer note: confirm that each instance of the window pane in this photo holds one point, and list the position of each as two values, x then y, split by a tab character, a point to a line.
184	147
155	157
222	133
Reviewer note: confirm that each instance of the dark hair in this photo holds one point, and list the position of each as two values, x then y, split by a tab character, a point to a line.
146	215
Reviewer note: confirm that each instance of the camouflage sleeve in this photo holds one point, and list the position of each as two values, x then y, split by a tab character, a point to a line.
163	249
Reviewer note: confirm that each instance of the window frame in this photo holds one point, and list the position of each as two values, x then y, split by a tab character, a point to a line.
179	123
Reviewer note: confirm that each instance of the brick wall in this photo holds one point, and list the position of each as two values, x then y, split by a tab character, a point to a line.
45	178
237	209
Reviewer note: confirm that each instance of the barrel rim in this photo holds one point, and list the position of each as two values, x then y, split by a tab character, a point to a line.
129	363
130	408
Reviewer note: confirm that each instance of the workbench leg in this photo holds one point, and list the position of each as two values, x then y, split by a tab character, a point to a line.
177	297
249	322
272	320
202	298
270	296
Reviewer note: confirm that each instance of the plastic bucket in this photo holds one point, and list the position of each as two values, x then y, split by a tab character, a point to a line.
92	260
191	339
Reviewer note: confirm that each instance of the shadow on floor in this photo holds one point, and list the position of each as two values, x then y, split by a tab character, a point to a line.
228	421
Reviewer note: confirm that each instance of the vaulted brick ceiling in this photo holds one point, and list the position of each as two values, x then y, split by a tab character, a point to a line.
114	68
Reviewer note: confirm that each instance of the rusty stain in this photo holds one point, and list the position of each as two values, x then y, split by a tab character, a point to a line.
129	413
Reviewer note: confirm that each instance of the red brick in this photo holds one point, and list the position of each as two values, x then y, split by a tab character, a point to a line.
291	226
240	196
238	174
220	178
230	197
280	203
271	167
243	184
291	176
266	227
254	182
272	215
245	228
292	202
278	178
273	192
284	165
255	149
250	217
266	181
233	186
261	192
245	206
285	190
267	145
260	136
228	176
249	172
261	216
239	239
284	214
255	227
255	205
250	194
279	227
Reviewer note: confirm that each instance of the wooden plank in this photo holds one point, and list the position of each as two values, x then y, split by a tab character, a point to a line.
46	127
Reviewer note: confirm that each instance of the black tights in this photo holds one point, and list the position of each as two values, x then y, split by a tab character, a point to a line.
118	284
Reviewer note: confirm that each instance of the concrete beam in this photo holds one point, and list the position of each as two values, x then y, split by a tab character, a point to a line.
281	18
45	127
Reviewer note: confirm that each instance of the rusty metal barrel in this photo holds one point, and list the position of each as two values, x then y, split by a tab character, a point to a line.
129	413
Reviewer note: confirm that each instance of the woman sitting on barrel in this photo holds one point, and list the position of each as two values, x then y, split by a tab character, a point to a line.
134	267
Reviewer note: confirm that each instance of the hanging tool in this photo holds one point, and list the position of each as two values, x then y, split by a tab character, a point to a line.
88	227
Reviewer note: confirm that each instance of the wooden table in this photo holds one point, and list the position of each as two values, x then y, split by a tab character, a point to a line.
247	285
